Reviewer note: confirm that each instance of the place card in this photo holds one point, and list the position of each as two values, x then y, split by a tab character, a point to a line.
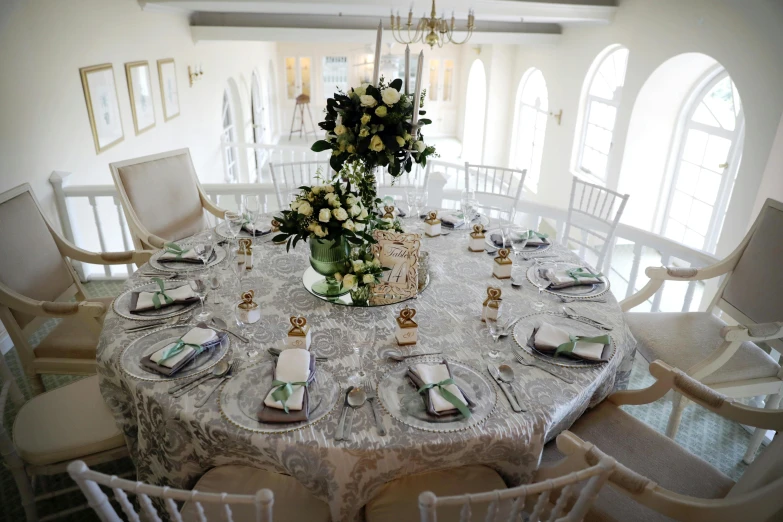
493	294
476	243
399	252
299	334
245	253
407	328
432	224
389	212
248	310
503	265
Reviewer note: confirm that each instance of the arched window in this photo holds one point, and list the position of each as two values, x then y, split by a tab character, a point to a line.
532	108
231	154
476	100
601	98
706	163
260	121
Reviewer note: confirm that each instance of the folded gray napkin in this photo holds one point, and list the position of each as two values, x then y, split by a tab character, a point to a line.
257	232
186	258
191	354
417	381
497	240
278	416
142	301
546	338
568	277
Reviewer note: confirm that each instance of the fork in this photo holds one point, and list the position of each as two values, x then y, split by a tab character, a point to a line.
230	373
524	362
584	299
369	389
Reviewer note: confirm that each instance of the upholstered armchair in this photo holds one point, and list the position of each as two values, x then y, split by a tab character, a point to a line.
162	198
655	478
729	359
36	284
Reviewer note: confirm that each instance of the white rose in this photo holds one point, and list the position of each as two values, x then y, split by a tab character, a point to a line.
295	204
319	231
338	276
312	226
420	146
351	199
340	130
367	100
363	214
358	265
390	95
368	279
333	199
361	89
376	143
359	227
340	214
310	196
329	188
376	263
324	215
355	210
349	281
305	209
349	225
316	190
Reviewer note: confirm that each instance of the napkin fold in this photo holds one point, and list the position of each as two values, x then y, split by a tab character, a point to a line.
423	374
258	231
143	301
547	338
569	277
201	336
518	237
293	365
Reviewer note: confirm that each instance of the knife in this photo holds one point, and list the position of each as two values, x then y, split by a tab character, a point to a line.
587	320
341	424
493	372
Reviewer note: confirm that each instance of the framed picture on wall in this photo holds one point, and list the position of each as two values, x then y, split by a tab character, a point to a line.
103	107
167	74
140	91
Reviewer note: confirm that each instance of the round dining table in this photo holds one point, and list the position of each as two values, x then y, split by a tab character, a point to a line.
173	442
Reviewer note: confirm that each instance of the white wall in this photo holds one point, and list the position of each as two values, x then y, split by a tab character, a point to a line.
772	183
45	127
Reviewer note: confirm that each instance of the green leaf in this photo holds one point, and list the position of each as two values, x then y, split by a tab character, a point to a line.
280	237
425	121
320	146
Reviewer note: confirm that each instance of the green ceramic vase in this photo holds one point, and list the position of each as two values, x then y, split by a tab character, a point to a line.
328	257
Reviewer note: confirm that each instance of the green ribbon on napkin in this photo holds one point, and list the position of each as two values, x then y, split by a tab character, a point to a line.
570	345
173	248
453	399
177	348
530	234
161	292
582	273
284	391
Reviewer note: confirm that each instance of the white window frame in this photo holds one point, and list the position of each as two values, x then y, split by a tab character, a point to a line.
531	180
229	135
734	157
587	100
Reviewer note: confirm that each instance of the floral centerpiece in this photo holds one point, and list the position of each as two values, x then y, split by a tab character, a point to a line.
363	272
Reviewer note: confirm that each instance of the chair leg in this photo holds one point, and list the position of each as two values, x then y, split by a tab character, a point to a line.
678	406
36	383
24	486
773	400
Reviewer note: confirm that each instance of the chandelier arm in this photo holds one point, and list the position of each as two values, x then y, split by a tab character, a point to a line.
467	37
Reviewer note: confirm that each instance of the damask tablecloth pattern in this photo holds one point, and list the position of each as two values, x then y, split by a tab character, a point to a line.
173	443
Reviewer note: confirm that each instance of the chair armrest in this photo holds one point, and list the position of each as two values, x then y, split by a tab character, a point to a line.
55	309
211	207
753	332
104	258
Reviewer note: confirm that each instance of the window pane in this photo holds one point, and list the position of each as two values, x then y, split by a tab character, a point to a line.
598	138
601	88
448	73
334	75
720	100
602	115
681	207
701	213
675	230
688	178
594	162
709	186
693	240
703	115
695	145
716	153
432	92
290	77
610	75
304	67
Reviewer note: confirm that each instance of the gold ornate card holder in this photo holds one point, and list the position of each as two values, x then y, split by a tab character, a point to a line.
407	328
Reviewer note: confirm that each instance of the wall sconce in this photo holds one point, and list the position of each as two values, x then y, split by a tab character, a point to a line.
195	74
558	116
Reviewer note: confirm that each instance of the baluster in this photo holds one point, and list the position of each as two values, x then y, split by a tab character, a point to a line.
560	505
227	514
125	504
582	197
238	201
543	500
101	239
686	305
121	218
516	507
146	506
656	304
603	206
637	258
171	507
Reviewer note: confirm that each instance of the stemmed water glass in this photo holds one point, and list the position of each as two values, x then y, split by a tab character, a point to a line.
238	268
200	287
361	339
494	316
233	225
540	283
251	208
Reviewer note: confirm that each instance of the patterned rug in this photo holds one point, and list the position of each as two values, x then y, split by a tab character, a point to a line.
722	443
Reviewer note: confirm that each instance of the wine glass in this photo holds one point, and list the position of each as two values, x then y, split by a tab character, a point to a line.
494	316
200	287
214	284
203	251
251	208
520	234
233	224
540	283
361	339
238	268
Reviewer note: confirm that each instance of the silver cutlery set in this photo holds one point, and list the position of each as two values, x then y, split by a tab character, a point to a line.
355	398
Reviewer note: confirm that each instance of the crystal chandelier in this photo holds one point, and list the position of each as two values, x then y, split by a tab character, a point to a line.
430	31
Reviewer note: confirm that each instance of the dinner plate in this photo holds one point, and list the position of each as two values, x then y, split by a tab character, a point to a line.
523	330
400	398
527	250
242	396
130	358
219	254
222	231
121	303
574	292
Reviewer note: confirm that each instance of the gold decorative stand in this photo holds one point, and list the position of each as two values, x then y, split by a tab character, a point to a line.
302	102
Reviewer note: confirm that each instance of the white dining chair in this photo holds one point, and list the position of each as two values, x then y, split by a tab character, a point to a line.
445	495
397	188
287	177
37	283
729	359
256	495
162	198
593	215
498	189
52	429
655	478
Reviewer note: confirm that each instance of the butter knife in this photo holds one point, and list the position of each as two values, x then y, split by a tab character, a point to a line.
586	320
513	403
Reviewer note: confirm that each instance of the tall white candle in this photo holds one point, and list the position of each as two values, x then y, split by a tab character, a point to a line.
417	95
407	67
378	43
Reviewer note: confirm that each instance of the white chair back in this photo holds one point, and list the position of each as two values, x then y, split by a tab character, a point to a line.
594	213
90	481
575	492
289	176
397	188
498	189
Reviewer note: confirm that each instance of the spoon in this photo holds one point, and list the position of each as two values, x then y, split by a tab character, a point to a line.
397	356
506	374
219	370
221	325
341	423
356	399
221	379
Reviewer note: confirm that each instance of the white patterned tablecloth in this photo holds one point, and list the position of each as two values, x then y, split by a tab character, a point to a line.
173	443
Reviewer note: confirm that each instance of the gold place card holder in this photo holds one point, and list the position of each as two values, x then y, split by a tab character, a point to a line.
432	225
476	243
248	310
493	294
299	334
407	328
501	269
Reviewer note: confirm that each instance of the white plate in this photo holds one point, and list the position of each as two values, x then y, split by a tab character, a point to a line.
574	292
121	303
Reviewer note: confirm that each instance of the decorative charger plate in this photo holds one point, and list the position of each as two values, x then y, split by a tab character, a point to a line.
121	303
527	250
523	330
399	397
575	292
310	277
222	231
218	255
130	358
483	220
242	396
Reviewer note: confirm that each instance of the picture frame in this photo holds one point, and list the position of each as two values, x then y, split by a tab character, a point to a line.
103	106
169	93
398	251
137	75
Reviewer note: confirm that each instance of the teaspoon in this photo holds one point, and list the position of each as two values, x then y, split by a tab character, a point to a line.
356	399
219	370
506	374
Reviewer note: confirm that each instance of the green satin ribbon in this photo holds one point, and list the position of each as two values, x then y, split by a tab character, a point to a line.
177	348
530	234
453	399
161	292
580	273
284	391
173	248
570	345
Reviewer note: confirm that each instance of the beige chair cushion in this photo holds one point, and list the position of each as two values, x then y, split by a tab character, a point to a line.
164	196
71	339
399	500
31	263
293	503
684	339
66	423
647	452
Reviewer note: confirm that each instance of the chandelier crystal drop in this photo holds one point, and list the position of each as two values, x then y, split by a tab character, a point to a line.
431	31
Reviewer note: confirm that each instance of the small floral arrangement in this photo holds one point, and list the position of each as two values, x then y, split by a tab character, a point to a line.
329	212
372	125
364	270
